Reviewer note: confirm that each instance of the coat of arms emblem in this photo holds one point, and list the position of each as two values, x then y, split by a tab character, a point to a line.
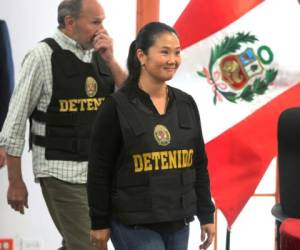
237	72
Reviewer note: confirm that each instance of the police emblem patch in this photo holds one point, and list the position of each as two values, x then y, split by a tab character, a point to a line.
91	86
162	135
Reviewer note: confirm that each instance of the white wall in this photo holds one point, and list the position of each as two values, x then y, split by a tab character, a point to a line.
29	22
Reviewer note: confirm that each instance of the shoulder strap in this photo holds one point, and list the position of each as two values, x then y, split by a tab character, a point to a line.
100	65
183	108
52	43
129	112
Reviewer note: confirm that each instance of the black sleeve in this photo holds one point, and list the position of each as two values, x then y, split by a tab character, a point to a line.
205	205
106	142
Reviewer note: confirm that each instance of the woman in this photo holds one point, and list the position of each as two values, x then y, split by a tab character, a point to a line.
147	173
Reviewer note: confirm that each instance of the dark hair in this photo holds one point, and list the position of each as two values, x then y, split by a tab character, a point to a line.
68	8
145	38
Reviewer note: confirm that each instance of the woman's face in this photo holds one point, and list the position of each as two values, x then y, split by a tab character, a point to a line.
163	58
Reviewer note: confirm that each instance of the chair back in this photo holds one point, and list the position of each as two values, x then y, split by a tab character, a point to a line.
289	161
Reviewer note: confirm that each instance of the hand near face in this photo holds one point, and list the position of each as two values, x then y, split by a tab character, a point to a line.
99	238
2	157
207	235
103	43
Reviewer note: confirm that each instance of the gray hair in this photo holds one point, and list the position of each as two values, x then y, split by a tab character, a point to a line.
68	8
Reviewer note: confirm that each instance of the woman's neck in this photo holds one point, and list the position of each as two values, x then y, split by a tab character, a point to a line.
153	89
158	92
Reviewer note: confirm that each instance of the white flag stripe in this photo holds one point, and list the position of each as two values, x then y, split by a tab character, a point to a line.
274	24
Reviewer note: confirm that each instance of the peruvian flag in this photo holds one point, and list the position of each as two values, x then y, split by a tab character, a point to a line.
241	64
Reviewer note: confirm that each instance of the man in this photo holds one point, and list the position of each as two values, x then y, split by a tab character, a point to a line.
62	83
6	78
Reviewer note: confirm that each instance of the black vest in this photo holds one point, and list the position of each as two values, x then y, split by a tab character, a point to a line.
155	175
79	89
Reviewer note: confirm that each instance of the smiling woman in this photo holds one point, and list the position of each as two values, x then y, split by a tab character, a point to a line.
149	178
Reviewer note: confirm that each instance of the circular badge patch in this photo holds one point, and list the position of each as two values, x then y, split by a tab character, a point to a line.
162	135
91	86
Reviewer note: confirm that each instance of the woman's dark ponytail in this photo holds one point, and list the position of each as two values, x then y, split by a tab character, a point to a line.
133	65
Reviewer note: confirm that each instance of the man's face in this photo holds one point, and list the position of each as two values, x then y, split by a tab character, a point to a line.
89	23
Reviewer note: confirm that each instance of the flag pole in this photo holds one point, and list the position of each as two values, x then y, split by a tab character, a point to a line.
228	239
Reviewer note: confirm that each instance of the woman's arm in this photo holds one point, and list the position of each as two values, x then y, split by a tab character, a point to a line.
205	205
106	141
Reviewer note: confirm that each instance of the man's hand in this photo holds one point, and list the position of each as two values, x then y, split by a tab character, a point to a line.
103	43
207	235
99	238
17	195
2	157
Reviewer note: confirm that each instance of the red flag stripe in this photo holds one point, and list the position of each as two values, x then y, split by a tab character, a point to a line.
244	152
202	18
